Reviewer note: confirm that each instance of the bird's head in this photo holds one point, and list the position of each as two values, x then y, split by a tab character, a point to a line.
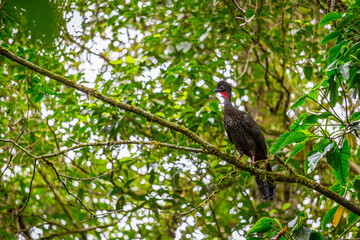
224	88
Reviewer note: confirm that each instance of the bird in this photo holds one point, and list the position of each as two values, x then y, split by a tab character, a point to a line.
246	135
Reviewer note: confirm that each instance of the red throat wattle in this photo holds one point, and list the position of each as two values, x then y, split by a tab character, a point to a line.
224	94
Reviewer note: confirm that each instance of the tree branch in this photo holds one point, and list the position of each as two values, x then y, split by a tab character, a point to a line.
290	177
110	143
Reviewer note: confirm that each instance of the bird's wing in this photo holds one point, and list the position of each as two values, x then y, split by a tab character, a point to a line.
228	132
251	127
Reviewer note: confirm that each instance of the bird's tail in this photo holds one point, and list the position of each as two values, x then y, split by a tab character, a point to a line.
266	188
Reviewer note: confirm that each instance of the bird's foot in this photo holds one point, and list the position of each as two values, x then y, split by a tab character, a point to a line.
252	160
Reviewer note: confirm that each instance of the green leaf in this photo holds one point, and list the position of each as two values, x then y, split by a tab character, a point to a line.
325	115
295	125
214	106
117	62
296	149
334	52
314	92
116	191
312	119
333	90
342	173
152	176
311	160
170	78
316	236
160	102
356	183
262	225
50	91
295	137
353	218
354	78
130	59
328	216
336	187
293	222
330	37
279	143
19	77
308	72
299	102
39	97
328	18
333	158
302	233
345	70
345	20
82	129
286	206
314	156
353	48
357	155
355	116
288	138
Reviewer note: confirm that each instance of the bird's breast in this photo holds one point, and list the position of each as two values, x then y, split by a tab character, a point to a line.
231	120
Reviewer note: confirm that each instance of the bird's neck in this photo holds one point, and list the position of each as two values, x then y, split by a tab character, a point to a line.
228	101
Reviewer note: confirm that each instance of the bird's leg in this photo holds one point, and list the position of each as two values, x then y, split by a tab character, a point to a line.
252	160
240	155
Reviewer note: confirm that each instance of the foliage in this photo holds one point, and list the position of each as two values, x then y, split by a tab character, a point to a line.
295	70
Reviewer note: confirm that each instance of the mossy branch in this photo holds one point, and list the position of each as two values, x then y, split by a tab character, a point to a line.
291	177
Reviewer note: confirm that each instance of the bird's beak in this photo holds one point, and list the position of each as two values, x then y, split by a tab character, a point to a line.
216	90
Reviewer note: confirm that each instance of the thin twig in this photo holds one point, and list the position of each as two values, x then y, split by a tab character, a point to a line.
211	196
110	143
11	156
324	96
83	47
28	198
338	118
247	63
87	179
2	4
58	199
67	190
238	7
80	230
216	222
348	229
332	5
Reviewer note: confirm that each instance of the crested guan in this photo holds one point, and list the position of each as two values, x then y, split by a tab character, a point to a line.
247	137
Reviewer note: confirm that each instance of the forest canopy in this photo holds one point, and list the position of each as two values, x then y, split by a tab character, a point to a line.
109	127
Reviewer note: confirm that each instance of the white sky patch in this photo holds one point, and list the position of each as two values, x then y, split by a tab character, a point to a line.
17	169
74	25
36	233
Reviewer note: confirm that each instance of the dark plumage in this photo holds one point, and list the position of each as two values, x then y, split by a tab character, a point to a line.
247	137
